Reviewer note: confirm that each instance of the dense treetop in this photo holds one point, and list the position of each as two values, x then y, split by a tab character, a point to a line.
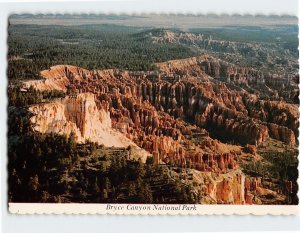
33	48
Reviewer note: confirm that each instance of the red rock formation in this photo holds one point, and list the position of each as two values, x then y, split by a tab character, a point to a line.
163	111
171	115
250	149
282	133
81	116
223	188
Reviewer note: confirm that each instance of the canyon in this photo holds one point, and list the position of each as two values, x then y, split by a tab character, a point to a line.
183	114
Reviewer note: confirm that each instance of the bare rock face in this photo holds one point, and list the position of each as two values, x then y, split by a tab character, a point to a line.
276	112
81	116
190	66
232	111
57	78
282	133
228	188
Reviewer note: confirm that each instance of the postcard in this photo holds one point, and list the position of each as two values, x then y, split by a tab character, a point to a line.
152	114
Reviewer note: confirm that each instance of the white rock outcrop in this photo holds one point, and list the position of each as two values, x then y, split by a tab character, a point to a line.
81	116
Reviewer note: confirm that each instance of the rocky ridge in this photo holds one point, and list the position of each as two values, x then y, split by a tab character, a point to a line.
259	53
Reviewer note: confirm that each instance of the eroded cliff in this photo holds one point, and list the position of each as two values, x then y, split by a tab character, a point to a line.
80	115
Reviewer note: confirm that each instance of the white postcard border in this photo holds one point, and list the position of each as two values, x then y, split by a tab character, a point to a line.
151	209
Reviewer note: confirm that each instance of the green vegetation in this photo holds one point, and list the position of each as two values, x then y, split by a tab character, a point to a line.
283	35
33	48
18	98
53	168
278	167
